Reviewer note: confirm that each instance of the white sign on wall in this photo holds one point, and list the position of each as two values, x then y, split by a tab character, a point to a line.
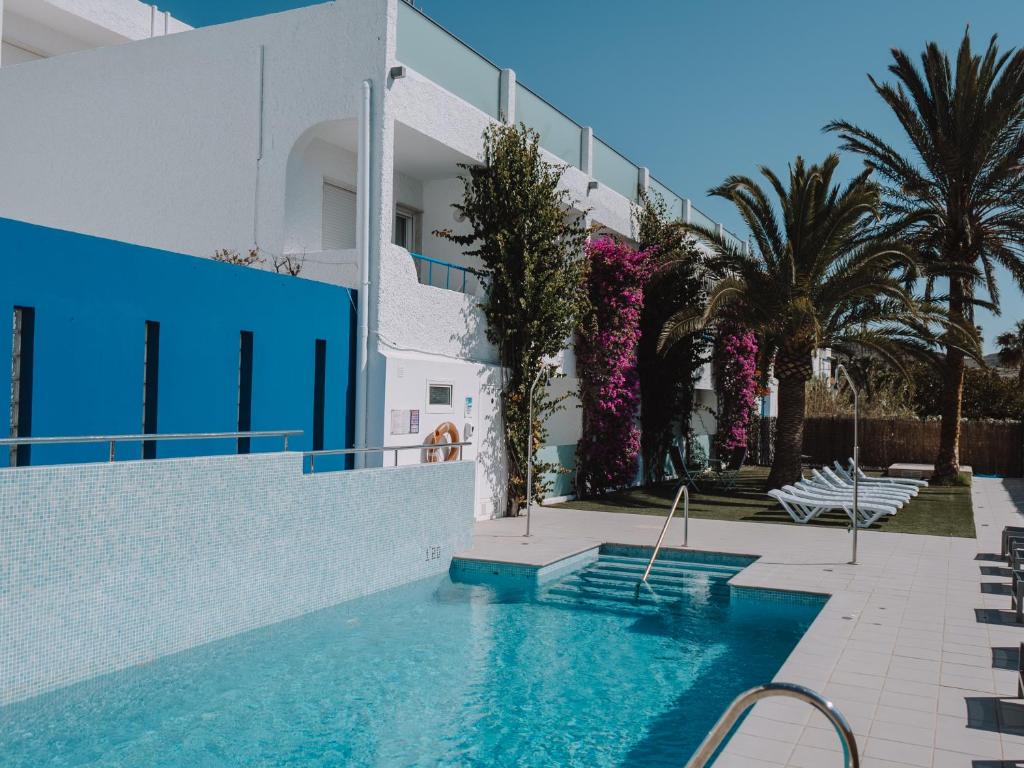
405	422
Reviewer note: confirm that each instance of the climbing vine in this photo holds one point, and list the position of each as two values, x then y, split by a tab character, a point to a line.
532	257
735	384
667	377
606	365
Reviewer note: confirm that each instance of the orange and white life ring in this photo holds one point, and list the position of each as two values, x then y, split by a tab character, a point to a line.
446	432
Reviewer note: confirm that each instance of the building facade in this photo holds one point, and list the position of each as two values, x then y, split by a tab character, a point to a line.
332	135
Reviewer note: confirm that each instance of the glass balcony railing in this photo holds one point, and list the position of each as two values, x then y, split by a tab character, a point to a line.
558	134
615	171
673	202
435	53
700	219
438	55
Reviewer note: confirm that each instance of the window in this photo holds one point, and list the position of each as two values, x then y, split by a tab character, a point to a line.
22	364
339	224
407	229
150	380
439	397
319	392
244	389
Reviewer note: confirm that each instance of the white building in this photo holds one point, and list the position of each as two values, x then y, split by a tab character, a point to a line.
332	133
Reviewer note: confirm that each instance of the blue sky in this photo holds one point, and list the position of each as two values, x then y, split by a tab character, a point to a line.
700	89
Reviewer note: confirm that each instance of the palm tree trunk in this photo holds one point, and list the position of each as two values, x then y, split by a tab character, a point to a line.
793	371
947	463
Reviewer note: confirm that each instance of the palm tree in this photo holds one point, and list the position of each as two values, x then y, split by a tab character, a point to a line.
960	189
820	276
1011	349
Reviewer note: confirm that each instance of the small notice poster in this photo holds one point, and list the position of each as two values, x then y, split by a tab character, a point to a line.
414	422
469	407
399	422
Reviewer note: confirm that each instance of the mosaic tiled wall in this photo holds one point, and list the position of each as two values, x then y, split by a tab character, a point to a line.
103	566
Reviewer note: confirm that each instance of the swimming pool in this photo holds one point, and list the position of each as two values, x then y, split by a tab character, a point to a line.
574	672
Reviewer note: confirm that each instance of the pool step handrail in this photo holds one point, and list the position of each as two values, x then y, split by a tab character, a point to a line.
743	702
685	494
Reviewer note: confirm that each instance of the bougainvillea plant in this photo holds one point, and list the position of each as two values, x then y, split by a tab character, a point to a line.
667	376
736	384
606	365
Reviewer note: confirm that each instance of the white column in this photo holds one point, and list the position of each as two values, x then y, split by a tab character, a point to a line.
687	210
587	150
507	96
644	179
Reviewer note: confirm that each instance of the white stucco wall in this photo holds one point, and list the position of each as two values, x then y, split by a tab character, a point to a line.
33	29
158	142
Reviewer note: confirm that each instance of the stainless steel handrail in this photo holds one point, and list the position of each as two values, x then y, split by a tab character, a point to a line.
743	702
664	529
145	438
396	448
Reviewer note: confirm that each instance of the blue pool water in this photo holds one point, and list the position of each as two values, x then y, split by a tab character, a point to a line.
577	672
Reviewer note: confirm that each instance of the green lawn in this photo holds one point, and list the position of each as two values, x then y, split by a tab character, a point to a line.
936	511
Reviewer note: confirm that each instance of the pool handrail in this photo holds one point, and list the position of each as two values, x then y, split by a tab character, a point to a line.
113	440
743	702
381	448
664	529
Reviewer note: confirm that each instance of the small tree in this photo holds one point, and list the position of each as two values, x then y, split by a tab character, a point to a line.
531	251
252	258
1011	349
667	378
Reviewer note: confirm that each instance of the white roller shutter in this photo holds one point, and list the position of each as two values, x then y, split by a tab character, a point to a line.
339	230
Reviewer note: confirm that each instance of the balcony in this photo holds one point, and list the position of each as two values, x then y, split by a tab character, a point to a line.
435	53
444	274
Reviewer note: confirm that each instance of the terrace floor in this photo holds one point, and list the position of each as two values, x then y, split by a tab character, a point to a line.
917	646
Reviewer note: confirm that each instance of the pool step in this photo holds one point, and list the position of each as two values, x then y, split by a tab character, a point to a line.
615	583
665	562
610	583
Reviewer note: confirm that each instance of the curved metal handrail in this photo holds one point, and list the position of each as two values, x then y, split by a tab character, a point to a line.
664	529
743	702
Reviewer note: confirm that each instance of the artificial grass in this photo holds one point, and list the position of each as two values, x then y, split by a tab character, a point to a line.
935	511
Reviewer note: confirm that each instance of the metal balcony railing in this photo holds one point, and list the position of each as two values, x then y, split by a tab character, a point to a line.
442	274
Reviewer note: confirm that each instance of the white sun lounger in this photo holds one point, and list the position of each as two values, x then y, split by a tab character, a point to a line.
803	508
910	482
813	487
830	479
869	510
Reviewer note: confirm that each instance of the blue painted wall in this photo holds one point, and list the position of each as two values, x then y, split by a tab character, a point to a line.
92	298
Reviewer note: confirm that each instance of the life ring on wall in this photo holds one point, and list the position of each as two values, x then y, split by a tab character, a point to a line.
445	429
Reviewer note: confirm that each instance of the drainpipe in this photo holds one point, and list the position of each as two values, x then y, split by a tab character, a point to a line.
363	240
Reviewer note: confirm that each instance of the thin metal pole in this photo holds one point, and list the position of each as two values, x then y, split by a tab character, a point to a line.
529	451
286	442
396	457
112	449
686	516
312	463
856	460
664	529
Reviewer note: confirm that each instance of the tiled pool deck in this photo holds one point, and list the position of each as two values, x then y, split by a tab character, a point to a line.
916	645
